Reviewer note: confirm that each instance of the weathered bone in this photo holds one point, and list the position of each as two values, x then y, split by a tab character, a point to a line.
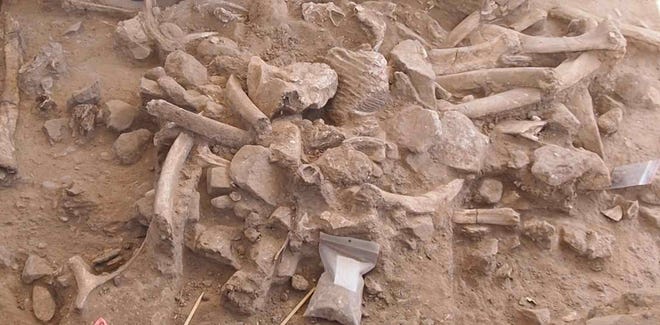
9	101
633	33
499	216
500	79
151	26
524	19
486	55
605	37
163	214
239	101
462	30
216	131
568	74
580	104
428	202
86	5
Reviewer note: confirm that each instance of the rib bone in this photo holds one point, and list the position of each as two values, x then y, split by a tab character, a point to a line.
163	214
9	101
216	131
428	202
499	216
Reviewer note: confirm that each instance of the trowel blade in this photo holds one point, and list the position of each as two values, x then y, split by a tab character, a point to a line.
634	174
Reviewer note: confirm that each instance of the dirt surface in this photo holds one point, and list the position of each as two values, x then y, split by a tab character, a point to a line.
76	197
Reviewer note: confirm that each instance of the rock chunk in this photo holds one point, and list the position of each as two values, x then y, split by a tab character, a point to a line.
286	144
55	129
421	227
319	136
185	69
410	57
89	95
481	259
37	76
129	147
490	190
83	118
291	89
299	282
652	215
216	243
43	303
587	243
540	232
246	291
639	91
539	316
149	89
608	123
35	268
252	171
118	114
462	145
416	128
133	39
319	13
346	166
556	166
218	181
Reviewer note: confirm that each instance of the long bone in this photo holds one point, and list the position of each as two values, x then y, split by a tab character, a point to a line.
216	131
163	215
490	54
462	30
9	100
91	6
239	101
428	202
498	216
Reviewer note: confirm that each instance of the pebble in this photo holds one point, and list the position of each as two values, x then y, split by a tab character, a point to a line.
299	282
43	303
35	268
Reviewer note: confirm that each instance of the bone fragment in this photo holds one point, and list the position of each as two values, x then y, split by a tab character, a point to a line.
428	202
462	30
163	214
9	101
486	55
525	129
239	101
581	105
500	78
151	26
498	216
639	35
525	19
86	5
216	131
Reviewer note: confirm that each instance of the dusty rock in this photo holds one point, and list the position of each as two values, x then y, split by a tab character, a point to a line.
185	69
611	320
639	90
629	208
55	129
410	57
588	243
252	171
286	144
378	150
292	89
490	190
129	147
539	316
481	259
320	13
372	286
88	95
416	128
615	213
246	291
561	116
222	202
216	243
35	268
299	282
268	13
155	73
652	215
609	122
118	114
37	76
149	89
555	166
474	232
145	207
7	259
319	136
218	46
218	181
345	166
373	23
133	39
462	145
421	227
540	232
282	217
43	303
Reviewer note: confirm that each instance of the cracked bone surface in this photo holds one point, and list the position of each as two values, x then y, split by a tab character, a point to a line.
639	35
161	223
581	105
462	30
216	131
489	54
10	99
500	79
239	101
92	6
498	216
428	202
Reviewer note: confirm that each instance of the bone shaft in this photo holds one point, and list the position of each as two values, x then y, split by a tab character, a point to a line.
10	98
500	216
243	105
581	105
502	102
216	131
462	30
527	19
571	72
484	55
84	5
506	77
539	44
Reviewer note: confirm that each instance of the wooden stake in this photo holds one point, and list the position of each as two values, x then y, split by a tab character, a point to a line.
194	309
295	309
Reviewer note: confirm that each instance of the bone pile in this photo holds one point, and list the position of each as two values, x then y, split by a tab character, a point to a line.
380	141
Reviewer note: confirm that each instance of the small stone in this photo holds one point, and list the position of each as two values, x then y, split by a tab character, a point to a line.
118	114
421	227
145	207
35	268
185	69
373	287
75	189
346	166
286	144
7	259
319	136
43	303
281	217
299	282
155	73
218	181
222	202
251	170
474	232
319	13
490	190
481	259
536	316
130	146
609	122
410	57
416	128
83	118
49	185
652	215
106	256
89	95
288	263
252	234
540	232
246	291
462	145
615	213
556	166
56	128
639	90
560	115
218	46
590	244
149	89
216	243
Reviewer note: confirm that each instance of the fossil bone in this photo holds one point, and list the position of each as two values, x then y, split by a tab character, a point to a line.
524	19
239	101
216	131
581	105
9	100
498	216
163	214
462	30
489	54
86	5
428	202
500	79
